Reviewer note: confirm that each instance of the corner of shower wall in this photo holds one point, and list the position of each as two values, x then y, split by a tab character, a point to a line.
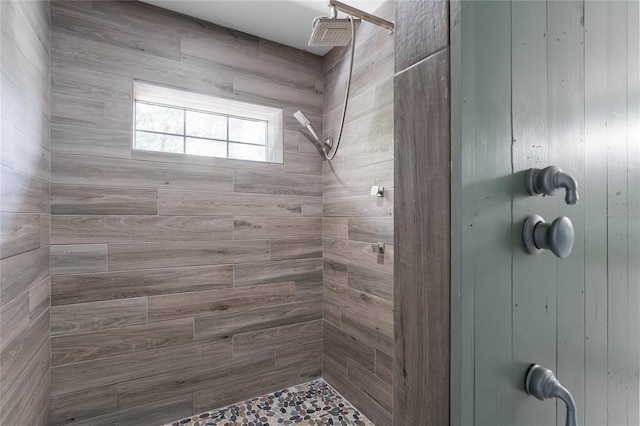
358	283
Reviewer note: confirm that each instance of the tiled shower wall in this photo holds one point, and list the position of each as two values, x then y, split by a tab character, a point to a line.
179	283
358	284
24	214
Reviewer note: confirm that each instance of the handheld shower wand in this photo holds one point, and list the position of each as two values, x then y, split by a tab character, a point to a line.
302	119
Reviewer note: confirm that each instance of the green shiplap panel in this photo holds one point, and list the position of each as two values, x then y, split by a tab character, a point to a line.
534	278
565	92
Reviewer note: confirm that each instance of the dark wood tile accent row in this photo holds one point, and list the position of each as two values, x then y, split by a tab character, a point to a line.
160	260
358	284
423	247
25	284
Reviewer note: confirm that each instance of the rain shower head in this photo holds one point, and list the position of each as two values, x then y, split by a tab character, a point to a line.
332	31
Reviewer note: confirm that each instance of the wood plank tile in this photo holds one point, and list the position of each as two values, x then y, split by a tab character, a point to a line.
29	397
14	320
93	142
384	366
367	405
92	316
370	281
310	288
78	347
249	181
119	116
186	380
78	258
76	406
377	333
376	388
427	18
304	164
113	33
77	111
84	200
371	229
45	229
312	206
19	232
335	227
23	154
21	193
159	255
70	80
271	272
40	299
383	174
227	204
99	56
78	170
199	160
67	229
296	248
17	357
331	313
151	414
227	324
184	305
119	285
276	338
362	304
254	386
305	354
424	232
334	273
101	372
18	273
275	93
253	227
362	204
359	254
339	345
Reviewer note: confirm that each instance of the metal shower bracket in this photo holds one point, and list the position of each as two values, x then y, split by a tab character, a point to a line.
357	13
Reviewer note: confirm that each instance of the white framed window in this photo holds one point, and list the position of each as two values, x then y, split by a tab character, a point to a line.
182	122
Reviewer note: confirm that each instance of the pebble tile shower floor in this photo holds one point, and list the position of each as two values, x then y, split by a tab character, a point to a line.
314	403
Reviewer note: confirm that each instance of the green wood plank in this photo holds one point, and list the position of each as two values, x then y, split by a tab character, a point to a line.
565	72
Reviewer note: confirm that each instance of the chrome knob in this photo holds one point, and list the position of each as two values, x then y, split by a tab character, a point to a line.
557	236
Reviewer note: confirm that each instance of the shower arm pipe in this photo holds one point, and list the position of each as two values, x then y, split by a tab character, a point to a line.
362	15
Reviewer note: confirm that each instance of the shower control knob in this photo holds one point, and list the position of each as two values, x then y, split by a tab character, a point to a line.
557	236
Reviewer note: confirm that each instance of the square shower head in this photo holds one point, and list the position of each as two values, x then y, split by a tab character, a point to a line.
332	31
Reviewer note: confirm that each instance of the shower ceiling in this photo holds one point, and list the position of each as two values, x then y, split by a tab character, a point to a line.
283	21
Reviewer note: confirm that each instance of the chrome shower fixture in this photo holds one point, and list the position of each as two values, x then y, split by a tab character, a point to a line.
331	31
302	119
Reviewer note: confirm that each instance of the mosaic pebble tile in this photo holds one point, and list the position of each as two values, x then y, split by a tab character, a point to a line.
310	404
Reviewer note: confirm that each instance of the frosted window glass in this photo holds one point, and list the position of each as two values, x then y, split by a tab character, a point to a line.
159	119
206	147
247	131
206	125
158	142
246	152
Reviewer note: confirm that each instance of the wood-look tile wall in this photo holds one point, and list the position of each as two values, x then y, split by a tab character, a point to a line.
25	379
358	284
422	213
180	283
